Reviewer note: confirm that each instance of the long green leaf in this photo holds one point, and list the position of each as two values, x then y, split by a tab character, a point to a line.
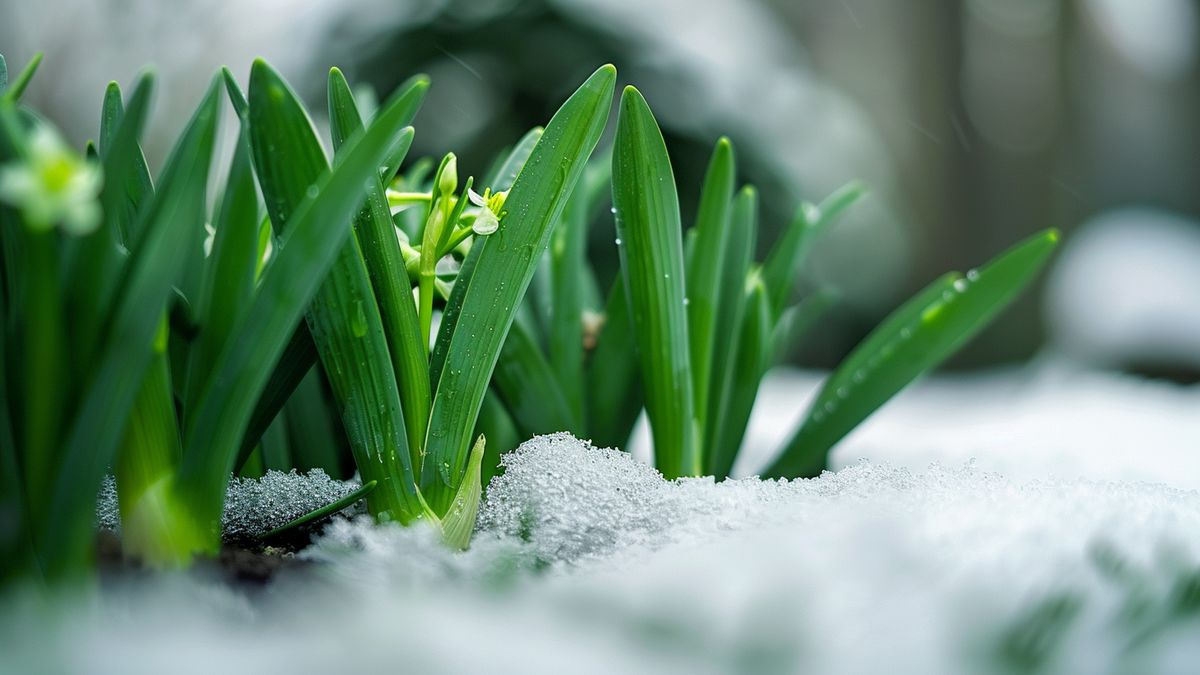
172	225
528	385
502	273
385	266
507	171
568	265
314	438
915	338
96	271
149	453
228	284
651	247
705	267
753	356
17	87
614	377
323	512
730	312
297	361
316	231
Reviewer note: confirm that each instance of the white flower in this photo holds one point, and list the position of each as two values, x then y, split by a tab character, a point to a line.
487	220
53	185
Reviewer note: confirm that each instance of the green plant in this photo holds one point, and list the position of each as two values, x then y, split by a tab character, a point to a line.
136	343
706	321
133	342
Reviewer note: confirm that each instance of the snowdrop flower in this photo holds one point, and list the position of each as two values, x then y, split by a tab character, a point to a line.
53	185
490	205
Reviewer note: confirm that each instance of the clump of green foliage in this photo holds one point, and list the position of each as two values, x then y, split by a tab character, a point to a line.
706	321
154	335
135	344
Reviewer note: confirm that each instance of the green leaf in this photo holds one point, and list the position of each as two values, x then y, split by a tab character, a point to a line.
507	172
502	273
3	73
705	267
236	96
568	267
915	338
316	230
323	512
810	222
314	439
615	394
385	264
17	87
648	227
730	313
753	356
459	522
149	453
227	287
343	317
529	387
98	263
171	225
297	360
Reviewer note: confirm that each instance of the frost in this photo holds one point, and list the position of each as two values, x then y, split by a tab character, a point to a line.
253	506
108	513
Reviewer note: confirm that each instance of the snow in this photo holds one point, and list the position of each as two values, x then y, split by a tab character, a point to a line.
1044	420
253	506
1035	518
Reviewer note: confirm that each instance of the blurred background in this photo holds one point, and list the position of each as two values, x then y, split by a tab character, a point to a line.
974	123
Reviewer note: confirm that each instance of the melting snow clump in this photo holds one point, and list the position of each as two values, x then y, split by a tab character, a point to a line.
253	506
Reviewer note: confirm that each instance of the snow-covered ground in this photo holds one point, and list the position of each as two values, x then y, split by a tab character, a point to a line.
1039	518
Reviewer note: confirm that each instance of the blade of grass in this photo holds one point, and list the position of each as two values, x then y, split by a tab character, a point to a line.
98	263
915	338
730	312
229	274
316	230
567	265
17	87
313	436
502	273
507	171
385	266
323	512
149	454
705	267
528	385
298	358
753	355
648	227
614	377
